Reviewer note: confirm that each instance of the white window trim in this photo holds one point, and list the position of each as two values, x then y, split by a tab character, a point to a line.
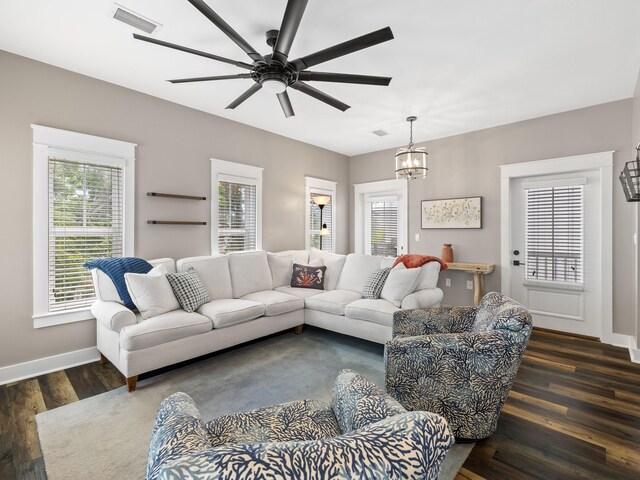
398	188
323	187
49	142
221	170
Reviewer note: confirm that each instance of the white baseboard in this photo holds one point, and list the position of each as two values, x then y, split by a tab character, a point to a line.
626	341
21	371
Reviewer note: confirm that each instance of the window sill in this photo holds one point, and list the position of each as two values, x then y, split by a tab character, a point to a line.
44	320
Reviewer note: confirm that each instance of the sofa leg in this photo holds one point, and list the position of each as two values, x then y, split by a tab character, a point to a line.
131	383
103	360
298	329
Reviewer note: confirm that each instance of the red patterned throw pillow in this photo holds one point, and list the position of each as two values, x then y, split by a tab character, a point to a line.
306	276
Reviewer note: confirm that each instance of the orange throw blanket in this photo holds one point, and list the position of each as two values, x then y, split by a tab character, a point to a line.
413	260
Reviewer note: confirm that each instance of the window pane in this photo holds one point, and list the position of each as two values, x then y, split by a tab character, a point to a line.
315	225
85	222
384	228
554	232
236	217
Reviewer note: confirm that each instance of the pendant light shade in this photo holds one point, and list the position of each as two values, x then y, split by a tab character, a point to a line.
411	162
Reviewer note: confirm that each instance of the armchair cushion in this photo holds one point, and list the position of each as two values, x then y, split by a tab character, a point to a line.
357	402
409	323
294	421
497	311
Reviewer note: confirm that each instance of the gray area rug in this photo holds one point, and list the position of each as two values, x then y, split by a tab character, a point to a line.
107	436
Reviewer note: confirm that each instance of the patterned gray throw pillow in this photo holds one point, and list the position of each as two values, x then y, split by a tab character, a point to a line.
188	289
375	282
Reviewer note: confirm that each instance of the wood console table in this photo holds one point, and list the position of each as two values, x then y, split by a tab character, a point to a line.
479	270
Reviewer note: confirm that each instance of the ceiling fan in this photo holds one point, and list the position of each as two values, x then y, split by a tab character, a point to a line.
275	72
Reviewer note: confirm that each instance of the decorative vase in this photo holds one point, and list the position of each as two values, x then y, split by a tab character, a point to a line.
447	253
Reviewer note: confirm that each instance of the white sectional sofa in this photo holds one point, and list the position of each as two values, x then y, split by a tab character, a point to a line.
251	299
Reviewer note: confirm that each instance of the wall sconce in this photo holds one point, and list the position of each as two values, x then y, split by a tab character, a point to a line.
321	201
630	178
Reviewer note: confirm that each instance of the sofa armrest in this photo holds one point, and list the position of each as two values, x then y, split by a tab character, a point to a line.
427	321
177	431
411	445
430	297
113	315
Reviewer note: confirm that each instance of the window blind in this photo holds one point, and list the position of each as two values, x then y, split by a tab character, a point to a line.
237	217
555	234
383	234
85	222
314	219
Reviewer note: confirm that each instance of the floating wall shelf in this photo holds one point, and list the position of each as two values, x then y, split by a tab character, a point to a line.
173	222
173	195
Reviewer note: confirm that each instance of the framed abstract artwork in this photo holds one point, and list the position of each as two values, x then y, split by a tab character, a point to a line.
452	213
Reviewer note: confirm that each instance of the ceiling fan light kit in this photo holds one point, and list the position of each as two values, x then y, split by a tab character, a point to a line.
411	162
274	72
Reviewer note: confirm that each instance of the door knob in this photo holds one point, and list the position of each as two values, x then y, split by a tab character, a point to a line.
517	263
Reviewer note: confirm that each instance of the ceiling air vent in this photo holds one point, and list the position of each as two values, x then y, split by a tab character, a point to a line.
380	133
134	19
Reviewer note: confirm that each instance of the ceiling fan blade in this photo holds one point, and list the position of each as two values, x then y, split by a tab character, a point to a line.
290	23
285	103
192	51
318	95
207	11
343	78
254	88
208	79
345	48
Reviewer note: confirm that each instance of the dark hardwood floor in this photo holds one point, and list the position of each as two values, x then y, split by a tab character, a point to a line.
573	412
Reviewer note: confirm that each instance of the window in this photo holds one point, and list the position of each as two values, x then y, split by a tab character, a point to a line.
316	189
83	209
236	209
554	233
381	218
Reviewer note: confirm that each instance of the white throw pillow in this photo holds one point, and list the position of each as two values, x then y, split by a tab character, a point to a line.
400	283
334	263
151	292
281	265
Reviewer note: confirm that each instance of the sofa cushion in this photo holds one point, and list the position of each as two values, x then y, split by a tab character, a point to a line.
188	289
428	277
332	261
162	329
334	301
300	292
167	263
357	402
356	270
401	282
276	303
231	311
214	273
308	276
375	311
249	273
151	292
375	283
281	263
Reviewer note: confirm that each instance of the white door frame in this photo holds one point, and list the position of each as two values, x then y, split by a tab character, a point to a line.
603	162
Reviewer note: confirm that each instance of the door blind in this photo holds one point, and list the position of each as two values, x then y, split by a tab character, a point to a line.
85	222
555	234
383	234
315	226
237	217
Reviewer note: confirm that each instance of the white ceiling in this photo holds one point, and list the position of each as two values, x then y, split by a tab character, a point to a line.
459	65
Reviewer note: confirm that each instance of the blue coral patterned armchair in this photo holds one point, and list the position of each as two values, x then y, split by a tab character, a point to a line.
364	433
458	362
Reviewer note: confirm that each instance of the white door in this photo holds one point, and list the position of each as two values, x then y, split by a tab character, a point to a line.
556	248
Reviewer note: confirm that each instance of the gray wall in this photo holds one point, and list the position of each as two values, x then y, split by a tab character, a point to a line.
175	145
467	165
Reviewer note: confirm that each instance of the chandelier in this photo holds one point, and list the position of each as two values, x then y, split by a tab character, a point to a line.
411	162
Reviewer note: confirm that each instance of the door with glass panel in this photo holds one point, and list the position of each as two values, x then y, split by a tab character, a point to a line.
381	226
555	248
